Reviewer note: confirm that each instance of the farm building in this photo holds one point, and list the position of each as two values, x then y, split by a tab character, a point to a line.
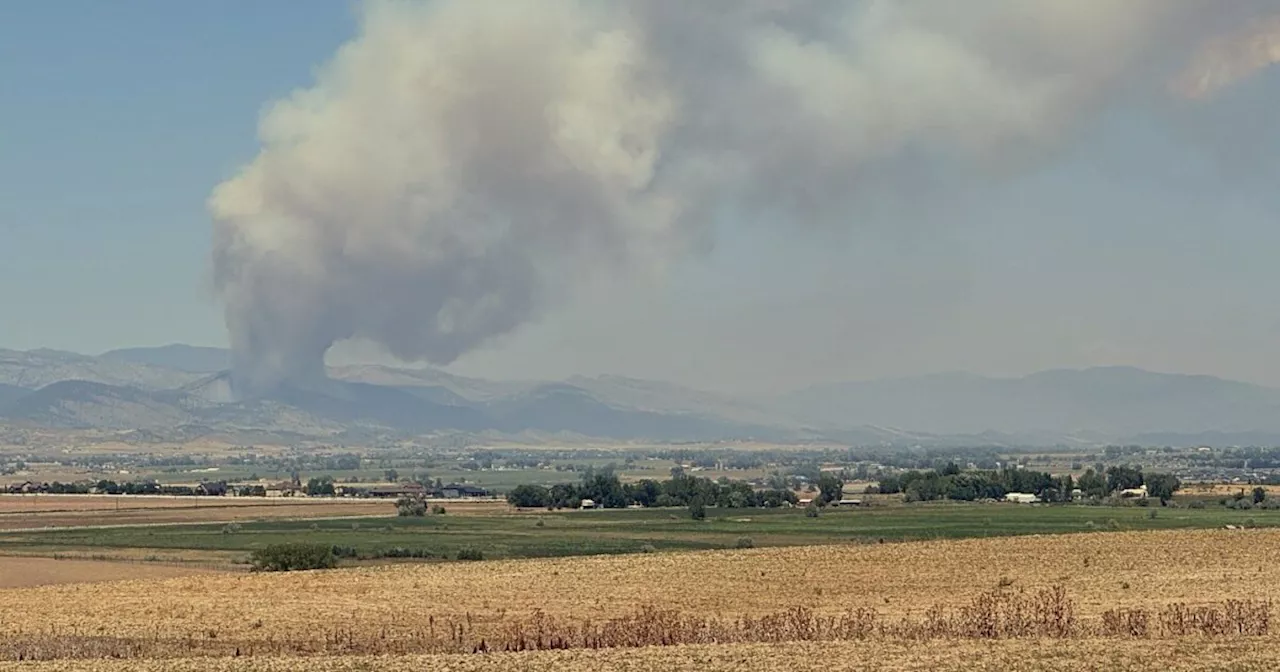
587	504
397	490
207	489
848	502
1021	498
1139	492
283	489
458	491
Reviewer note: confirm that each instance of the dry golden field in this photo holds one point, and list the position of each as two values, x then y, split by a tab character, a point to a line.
21	512
18	572
26	512
1185	655
1225	489
909	606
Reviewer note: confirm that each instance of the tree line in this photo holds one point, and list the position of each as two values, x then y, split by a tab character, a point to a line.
952	483
606	490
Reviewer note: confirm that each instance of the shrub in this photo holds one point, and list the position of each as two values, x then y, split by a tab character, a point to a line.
540	523
400	552
231	528
1113	524
745	542
292	557
437	510
1151	515
697	511
411	506
811	511
1196	504
470	554
345	552
648	548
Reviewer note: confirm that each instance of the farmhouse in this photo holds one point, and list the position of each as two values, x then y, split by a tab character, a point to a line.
398	490
29	488
458	491
1021	498
207	489
283	489
587	504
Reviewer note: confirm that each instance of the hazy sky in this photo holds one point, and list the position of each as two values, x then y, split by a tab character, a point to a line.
1149	239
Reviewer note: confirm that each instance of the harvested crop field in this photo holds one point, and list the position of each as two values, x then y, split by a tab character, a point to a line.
26	572
23	512
1086	598
1188	655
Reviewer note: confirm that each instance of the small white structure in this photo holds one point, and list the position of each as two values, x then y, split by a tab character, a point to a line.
1021	498
849	502
588	504
1139	492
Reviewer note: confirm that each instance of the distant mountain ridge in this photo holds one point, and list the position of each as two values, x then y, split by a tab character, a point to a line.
177	356
186	389
1106	401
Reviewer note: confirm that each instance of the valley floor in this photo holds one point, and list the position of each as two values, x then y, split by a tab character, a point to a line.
920	598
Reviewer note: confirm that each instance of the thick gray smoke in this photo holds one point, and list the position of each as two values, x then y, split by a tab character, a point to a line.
462	165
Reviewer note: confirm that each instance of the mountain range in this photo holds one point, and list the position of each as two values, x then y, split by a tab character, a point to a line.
180	390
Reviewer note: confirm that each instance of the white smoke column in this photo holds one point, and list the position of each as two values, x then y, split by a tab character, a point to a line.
450	163
461	165
1227	59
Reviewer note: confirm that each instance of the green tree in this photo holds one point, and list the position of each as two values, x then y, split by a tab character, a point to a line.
392	475
1123	478
1092	484
411	506
320	486
529	497
697	510
830	489
1162	486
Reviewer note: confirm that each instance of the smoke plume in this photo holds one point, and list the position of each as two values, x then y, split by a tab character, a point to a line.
461	166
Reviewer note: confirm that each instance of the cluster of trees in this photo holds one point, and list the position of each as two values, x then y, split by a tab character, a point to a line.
292	557
607	491
114	488
952	483
1096	484
416	505
321	486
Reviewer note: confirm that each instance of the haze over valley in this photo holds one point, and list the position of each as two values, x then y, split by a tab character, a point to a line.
180	391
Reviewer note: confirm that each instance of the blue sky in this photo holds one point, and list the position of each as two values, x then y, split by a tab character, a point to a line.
1148	240
116	120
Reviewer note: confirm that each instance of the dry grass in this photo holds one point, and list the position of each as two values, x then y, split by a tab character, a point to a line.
26	572
1180	655
1226	489
1060	593
22	512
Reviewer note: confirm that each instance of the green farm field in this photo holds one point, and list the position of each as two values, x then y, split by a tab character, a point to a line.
543	534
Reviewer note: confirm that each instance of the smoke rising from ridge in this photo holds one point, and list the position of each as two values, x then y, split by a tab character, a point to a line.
461	166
